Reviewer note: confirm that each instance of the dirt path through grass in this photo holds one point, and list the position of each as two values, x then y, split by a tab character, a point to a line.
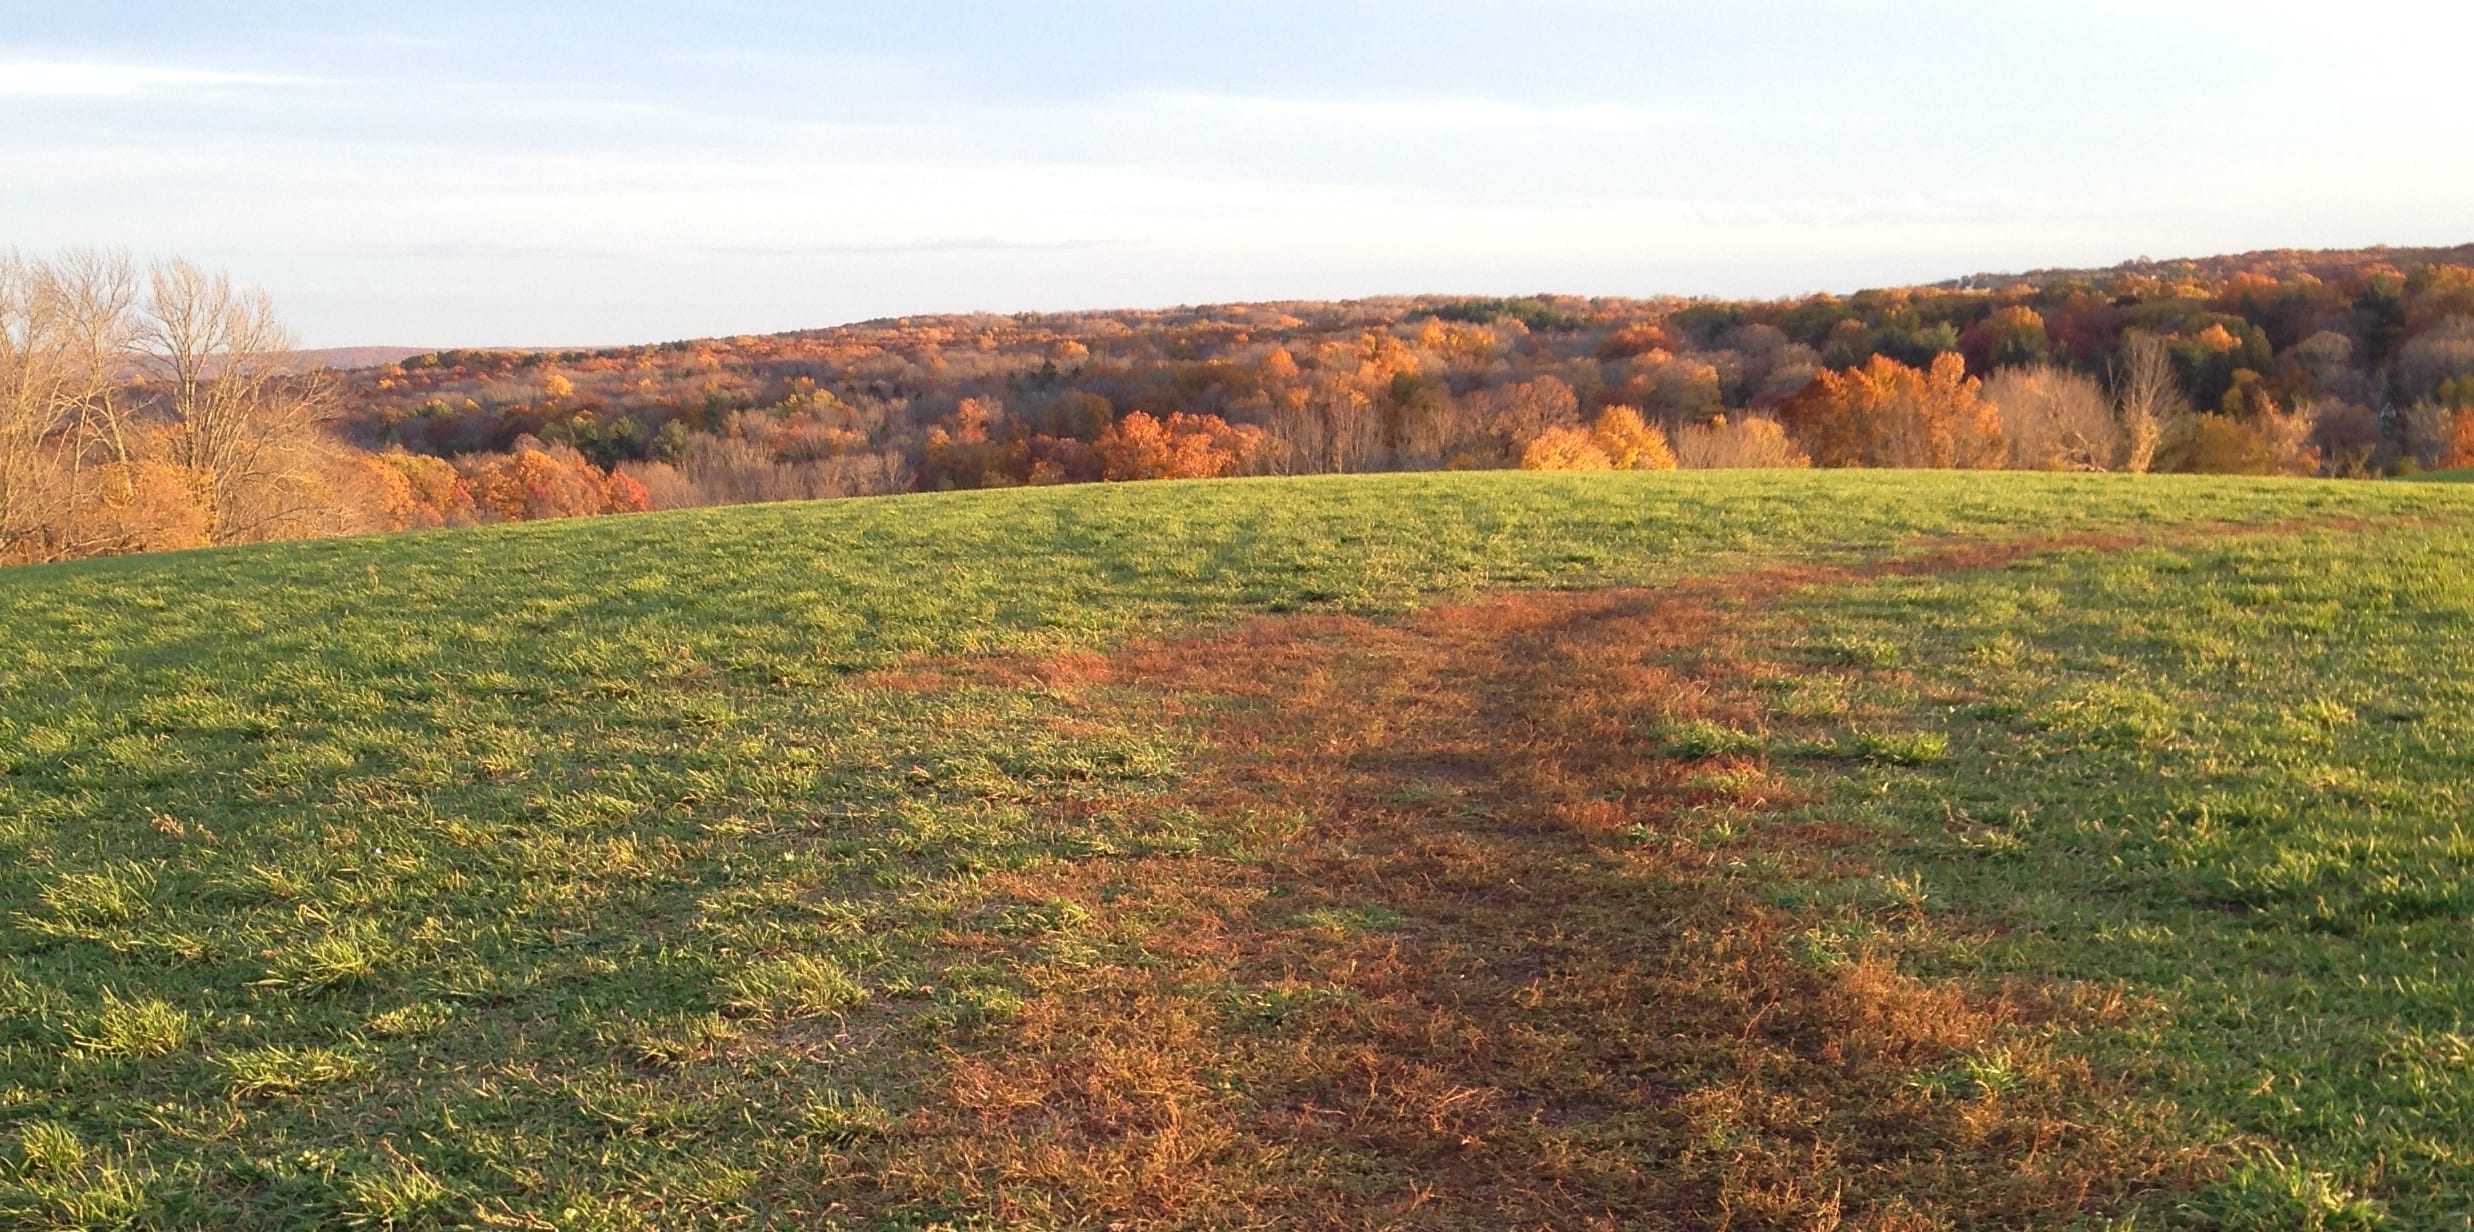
1506	951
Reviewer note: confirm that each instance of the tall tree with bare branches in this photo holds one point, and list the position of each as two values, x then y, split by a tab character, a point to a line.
2055	419
243	422
2149	399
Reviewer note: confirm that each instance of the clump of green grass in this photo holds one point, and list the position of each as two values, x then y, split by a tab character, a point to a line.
1888	748
81	904
842	1118
1702	738
1988	1074
1898	748
263	1073
1851	650
674	1040
410	1021
2270	1192
1056	915
791	986
95	1198
55	1184
49	1148
398	1195
346	957
1368	919
261	883
146	1027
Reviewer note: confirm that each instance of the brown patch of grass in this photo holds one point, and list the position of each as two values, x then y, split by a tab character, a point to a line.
1483	969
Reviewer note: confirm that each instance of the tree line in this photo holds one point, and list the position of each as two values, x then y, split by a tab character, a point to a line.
155	408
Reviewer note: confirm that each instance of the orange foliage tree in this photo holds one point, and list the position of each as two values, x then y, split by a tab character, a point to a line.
1636	339
964	452
2461	440
419	492
624	493
148	505
1183	446
1890	415
550	482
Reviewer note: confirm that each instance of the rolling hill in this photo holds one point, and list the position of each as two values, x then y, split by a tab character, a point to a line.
1768	849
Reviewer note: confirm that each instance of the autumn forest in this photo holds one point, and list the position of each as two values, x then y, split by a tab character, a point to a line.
161	407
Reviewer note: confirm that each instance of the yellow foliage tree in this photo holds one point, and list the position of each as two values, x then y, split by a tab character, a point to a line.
1564	449
1630	443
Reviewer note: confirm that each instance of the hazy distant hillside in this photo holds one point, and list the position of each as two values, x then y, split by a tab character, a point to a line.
2277	263
355	356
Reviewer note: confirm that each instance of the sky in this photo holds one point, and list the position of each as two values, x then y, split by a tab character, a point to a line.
553	174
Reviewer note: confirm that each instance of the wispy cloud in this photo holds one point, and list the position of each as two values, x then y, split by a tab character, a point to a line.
899	248
1430	114
87	79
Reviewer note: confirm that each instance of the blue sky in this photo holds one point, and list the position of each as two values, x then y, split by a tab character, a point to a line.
567	173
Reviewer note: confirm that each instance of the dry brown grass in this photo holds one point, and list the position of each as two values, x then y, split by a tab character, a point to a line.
1476	970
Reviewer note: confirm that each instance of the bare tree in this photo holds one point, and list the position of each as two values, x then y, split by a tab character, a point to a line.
2442	353
2150	400
35	378
1750	442
157	410
67	424
91	296
2055	419
246	425
737	471
2427	427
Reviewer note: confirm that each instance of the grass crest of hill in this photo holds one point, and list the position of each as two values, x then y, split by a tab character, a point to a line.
1756	849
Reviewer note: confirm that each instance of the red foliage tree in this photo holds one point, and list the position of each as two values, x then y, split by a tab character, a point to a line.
624	493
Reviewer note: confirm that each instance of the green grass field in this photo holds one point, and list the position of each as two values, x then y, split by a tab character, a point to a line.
590	875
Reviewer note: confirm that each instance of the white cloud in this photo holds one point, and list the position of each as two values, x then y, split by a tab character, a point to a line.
78	79
1436	114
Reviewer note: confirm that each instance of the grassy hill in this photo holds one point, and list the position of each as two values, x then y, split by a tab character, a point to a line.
1449	851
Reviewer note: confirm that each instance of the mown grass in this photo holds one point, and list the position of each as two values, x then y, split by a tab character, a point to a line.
587	875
